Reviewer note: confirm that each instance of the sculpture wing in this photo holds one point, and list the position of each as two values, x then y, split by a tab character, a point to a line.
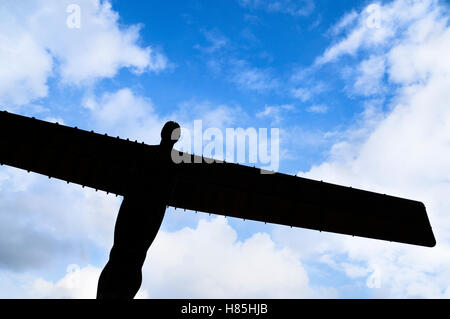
243	192
110	164
86	158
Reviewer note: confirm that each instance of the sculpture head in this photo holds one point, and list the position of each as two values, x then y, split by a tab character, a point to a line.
170	133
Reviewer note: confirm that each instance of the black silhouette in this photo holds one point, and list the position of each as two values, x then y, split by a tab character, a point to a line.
137	224
150	180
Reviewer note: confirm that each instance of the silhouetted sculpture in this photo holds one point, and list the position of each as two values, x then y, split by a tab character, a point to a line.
149	180
140	216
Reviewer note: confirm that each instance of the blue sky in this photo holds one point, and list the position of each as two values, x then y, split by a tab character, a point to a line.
356	88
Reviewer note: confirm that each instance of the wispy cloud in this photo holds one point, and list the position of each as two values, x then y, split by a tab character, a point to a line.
292	7
318	108
224	62
249	77
275	112
216	41
369	76
374	26
305	94
344	23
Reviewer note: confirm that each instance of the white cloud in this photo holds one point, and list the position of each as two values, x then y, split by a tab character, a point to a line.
216	41
370	75
128	115
203	262
345	22
378	24
218	116
98	48
78	283
208	262
302	94
275	112
24	67
404	151
36	43
318	108
305	94
252	78
125	114
43	218
354	271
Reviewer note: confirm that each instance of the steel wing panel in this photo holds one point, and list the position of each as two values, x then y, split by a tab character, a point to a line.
73	155
243	192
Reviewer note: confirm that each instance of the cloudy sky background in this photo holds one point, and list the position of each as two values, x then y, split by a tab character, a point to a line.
358	89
